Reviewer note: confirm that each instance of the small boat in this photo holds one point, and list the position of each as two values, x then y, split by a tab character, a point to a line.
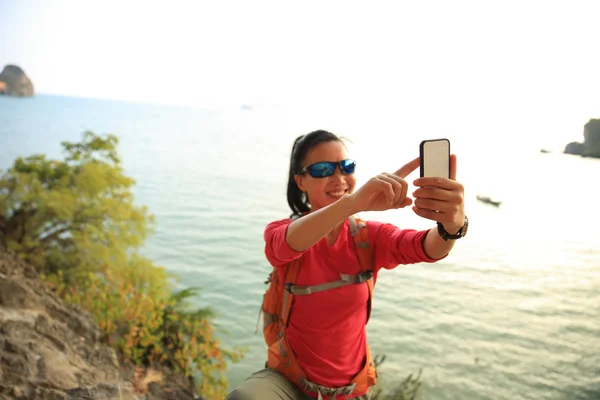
488	200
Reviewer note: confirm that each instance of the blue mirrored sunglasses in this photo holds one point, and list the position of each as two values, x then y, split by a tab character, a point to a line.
327	168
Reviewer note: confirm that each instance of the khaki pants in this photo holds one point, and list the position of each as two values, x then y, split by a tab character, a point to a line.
268	384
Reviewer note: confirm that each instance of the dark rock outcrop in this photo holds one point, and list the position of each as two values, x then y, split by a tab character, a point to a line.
14	82
50	350
591	141
591	138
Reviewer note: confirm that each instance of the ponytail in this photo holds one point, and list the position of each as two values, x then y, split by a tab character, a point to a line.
296	198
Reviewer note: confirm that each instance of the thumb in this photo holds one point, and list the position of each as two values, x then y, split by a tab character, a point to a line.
406	202
453	167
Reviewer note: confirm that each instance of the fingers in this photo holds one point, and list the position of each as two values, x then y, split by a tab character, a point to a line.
387	188
399	186
443	183
436	193
440	199
404	203
433	193
436	205
404	189
443	217
407	168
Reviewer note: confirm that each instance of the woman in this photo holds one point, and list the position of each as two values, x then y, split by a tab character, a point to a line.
326	330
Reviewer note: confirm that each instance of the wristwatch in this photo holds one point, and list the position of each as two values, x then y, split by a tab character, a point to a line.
462	232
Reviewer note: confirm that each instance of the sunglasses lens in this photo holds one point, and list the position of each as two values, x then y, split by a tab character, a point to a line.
325	169
348	166
321	170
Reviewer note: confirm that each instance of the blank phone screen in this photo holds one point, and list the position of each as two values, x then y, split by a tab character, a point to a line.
436	158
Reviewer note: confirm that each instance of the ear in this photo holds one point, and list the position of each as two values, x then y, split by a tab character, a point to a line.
298	179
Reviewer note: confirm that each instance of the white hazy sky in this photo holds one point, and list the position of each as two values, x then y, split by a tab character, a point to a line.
532	61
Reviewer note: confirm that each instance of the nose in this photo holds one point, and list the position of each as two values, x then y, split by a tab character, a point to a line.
338	174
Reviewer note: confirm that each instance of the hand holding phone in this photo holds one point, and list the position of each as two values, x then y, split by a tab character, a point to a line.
440	200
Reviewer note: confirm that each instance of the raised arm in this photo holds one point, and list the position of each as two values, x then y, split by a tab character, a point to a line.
382	192
305	232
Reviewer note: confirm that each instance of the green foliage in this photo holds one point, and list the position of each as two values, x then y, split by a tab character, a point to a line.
408	389
76	222
150	328
76	214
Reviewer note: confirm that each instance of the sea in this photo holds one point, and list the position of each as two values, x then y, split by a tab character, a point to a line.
512	313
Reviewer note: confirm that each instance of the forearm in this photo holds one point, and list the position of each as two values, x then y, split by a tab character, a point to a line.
308	230
434	246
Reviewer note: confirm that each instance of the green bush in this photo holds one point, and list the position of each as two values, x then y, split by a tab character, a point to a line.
149	329
75	221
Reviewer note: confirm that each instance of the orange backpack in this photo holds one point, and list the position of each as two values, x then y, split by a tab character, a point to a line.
277	304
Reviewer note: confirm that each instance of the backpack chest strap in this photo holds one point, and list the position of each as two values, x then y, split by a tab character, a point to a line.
345	279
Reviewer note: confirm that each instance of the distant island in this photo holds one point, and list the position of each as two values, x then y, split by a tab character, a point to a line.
14	82
591	141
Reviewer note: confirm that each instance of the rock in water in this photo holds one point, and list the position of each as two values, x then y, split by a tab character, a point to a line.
591	141
14	82
574	148
591	138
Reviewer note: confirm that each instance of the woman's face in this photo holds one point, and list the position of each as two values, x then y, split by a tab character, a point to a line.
322	192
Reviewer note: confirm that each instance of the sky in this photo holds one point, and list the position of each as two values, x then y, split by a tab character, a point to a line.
531	62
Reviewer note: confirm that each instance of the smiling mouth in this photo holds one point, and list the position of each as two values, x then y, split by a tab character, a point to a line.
337	194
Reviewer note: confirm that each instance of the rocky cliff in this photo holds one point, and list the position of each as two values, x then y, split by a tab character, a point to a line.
50	350
591	141
14	82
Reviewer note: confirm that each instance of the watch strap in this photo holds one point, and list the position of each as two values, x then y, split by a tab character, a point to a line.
446	236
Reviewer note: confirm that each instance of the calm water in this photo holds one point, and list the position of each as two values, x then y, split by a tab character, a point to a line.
513	313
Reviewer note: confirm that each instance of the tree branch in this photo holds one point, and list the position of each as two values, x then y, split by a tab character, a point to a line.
54	234
51	228
24	215
75	226
50	232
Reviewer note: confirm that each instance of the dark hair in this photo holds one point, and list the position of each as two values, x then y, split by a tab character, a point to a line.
297	199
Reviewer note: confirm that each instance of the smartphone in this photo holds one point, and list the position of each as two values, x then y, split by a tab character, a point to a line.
435	158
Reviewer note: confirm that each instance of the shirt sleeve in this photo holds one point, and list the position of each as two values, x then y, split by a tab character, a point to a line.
277	249
394	246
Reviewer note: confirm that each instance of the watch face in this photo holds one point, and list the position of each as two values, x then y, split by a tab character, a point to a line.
464	229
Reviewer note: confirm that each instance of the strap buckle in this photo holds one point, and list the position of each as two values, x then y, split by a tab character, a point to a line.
288	287
364	276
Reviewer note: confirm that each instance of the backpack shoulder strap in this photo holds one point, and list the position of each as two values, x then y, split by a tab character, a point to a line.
360	232
290	275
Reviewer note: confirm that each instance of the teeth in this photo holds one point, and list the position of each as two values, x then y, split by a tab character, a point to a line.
337	194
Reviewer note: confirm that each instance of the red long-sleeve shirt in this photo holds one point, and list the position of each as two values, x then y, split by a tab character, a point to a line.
327	329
